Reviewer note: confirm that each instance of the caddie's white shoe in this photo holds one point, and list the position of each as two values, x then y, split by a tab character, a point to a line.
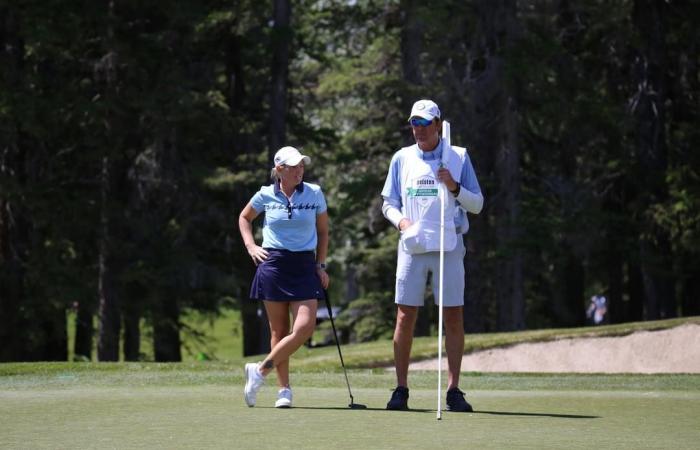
284	398
253	381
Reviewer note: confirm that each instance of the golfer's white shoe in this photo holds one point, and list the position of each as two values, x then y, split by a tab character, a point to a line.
284	398
253	381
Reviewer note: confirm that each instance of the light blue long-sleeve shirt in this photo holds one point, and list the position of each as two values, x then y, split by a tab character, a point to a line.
470	198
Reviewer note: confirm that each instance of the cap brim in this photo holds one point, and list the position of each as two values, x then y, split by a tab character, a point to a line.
423	115
295	160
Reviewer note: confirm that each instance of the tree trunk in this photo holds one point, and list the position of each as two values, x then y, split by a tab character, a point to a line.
109	316
255	339
475	319
411	46
53	335
691	289
132	333
256	330
568	306
496	128
251	327
166	330
14	224
649	111
412	32
635	291
235	87
12	284
281	39
84	329
511	295
11	269
256	334
613	267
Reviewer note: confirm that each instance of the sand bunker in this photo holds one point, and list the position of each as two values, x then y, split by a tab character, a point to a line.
675	350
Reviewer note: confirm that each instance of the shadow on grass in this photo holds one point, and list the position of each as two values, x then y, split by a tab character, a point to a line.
340	408
416	410
561	416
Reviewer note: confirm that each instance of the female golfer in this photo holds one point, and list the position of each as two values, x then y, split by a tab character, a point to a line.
291	270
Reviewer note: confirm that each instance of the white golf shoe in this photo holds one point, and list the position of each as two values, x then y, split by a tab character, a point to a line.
284	398
253	381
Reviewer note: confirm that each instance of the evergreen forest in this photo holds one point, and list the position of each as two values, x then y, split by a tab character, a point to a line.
132	133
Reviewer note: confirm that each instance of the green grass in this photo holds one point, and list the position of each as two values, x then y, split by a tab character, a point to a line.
214	417
199	404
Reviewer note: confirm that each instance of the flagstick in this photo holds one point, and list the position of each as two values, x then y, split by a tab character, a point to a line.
443	195
442	266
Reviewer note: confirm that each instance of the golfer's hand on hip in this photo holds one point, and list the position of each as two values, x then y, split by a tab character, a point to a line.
258	253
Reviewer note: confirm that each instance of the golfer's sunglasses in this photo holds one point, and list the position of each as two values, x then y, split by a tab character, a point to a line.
420	122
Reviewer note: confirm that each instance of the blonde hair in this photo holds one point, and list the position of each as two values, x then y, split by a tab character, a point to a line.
274	175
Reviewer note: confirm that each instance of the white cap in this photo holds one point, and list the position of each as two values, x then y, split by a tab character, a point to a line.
426	109
290	156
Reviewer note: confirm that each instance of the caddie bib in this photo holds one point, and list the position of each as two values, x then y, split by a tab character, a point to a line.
421	204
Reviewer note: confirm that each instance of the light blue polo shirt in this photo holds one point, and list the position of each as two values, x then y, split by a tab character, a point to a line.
468	180
290	225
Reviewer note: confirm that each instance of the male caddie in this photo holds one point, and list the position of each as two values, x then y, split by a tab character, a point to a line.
412	204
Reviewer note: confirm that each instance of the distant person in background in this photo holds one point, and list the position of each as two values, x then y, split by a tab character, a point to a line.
291	265
412	205
597	309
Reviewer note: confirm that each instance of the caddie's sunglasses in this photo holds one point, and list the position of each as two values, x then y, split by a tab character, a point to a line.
420	122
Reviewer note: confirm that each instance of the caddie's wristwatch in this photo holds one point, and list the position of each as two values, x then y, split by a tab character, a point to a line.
321	266
456	191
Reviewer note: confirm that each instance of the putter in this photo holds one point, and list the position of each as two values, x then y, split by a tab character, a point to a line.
443	194
352	404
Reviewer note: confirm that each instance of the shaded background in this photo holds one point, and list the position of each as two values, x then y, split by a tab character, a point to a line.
133	133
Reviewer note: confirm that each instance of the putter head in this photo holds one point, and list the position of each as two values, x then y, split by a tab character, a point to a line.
357	406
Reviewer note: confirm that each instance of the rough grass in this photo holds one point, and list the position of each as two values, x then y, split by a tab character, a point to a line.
356	356
204	335
380	353
220	338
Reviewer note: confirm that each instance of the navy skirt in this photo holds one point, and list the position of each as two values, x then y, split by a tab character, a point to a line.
287	276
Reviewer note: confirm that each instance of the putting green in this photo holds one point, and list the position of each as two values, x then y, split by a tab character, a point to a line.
214	416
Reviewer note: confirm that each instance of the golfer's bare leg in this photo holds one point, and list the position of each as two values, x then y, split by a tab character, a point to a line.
454	343
304	316
278	316
403	340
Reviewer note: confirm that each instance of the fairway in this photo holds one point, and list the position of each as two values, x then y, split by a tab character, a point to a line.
151	406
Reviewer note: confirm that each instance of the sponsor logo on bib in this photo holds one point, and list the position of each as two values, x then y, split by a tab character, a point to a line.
424	190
